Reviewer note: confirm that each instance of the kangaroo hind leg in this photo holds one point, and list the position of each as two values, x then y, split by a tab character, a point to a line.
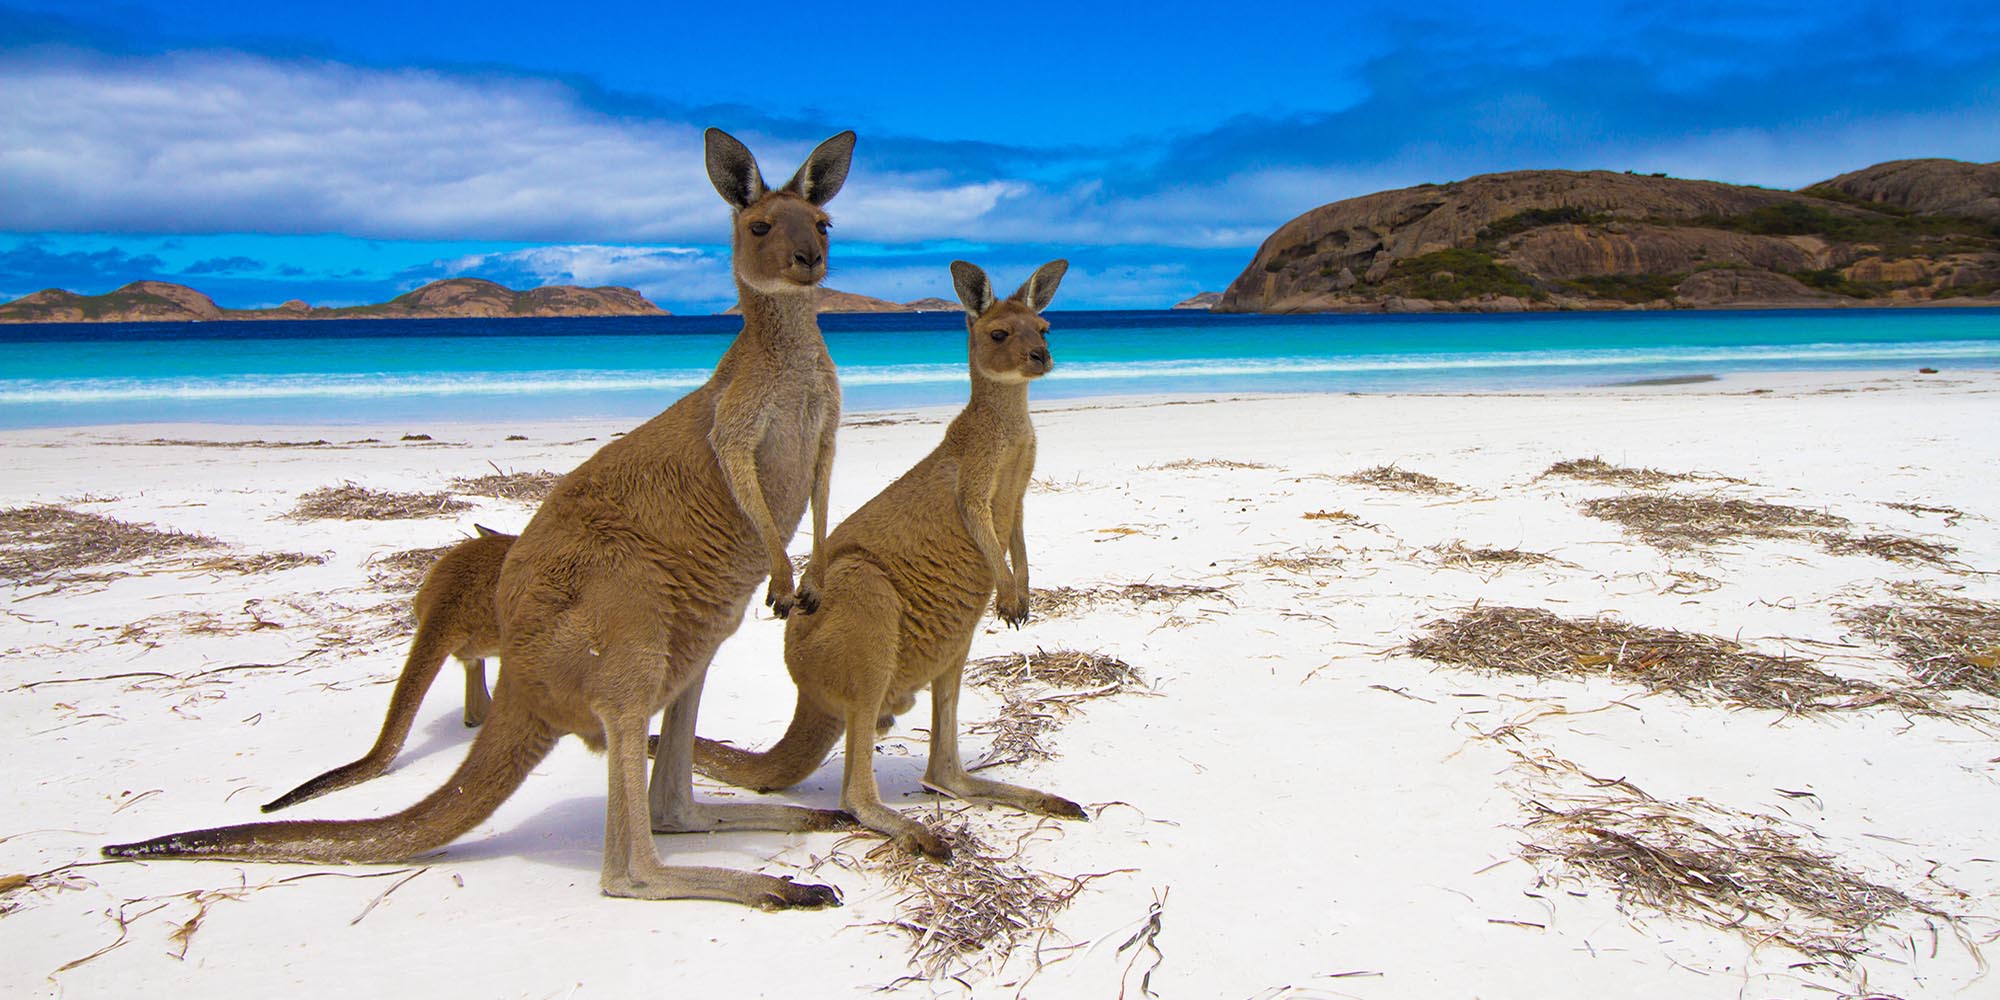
946	773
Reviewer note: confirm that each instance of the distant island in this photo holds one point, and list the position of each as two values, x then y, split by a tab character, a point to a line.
1907	232
453	298
1205	300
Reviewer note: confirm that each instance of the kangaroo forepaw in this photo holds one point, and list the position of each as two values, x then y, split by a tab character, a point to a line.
789	895
1012	610
780	604
808	598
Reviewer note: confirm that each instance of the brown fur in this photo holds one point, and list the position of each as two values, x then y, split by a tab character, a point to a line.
907	578
636	568
455	618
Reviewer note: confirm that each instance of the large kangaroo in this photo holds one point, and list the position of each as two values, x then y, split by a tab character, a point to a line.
636	568
906	579
455	618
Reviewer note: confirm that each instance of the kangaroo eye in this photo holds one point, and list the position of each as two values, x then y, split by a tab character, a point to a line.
760	229
997	335
824	226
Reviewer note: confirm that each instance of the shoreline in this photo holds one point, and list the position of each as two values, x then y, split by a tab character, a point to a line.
1288	781
1694	383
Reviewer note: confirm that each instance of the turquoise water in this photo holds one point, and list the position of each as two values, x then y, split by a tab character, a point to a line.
359	371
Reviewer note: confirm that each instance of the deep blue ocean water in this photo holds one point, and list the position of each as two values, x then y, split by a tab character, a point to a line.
361	371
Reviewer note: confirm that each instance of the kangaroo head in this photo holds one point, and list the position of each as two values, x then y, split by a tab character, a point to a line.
1009	338
780	237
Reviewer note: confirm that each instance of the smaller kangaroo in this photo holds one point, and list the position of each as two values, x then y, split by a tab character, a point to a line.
906	579
455	617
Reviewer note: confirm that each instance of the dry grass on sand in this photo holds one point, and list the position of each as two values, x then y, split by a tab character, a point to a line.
1683	521
1457	553
1193	464
1699	668
46	542
1597	470
1039	692
972	911
1389	477
1731	871
1687	521
404	570
1894	548
1947	643
352	502
1062	602
530	487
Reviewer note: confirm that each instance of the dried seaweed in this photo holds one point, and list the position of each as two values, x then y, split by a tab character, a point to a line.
973	910
1699	668
1457	553
1039	692
352	502
1301	562
261	562
188	443
1065	668
530	487
1190	464
1947	643
404	570
1062	602
1686	521
1951	514
42	543
1895	548
1597	470
1389	477
1731	871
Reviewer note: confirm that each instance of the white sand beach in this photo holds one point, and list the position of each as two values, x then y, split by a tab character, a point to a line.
1287	803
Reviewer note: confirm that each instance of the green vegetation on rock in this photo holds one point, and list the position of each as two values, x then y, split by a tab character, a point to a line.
1457	274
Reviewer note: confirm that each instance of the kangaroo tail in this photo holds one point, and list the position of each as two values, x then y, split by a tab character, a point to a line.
434	642
797	754
503	753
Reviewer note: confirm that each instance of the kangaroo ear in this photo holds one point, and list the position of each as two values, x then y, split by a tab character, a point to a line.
484	531
973	288
820	178
1040	289
732	169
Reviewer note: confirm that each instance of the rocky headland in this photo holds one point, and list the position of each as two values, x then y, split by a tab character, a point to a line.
453	298
1907	232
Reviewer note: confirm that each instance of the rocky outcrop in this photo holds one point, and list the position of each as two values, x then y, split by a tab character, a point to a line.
934	304
1746	287
1204	300
476	298
1573	251
138	302
453	298
1558	239
1927	187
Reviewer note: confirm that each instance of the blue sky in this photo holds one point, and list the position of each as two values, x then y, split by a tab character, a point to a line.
344	153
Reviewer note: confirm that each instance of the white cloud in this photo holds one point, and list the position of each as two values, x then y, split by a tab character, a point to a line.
662	274
207	143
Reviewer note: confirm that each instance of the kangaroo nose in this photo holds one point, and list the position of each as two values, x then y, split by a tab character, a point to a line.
1039	355
806	258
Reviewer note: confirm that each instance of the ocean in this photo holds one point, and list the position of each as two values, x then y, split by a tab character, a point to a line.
362	371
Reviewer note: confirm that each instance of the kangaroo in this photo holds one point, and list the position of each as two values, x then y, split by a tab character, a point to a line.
906	579
640	563
455	618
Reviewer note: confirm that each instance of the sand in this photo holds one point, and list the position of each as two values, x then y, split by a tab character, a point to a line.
1290	804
